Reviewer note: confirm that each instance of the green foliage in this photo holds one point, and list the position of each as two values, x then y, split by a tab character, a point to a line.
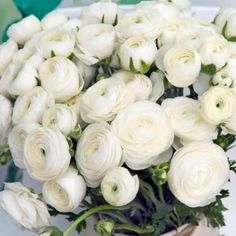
159	173
232	165
5	154
225	141
104	227
208	69
53	231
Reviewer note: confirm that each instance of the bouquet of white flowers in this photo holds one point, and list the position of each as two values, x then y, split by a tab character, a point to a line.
126	114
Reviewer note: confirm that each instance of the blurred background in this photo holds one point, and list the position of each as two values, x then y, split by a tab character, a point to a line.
12	11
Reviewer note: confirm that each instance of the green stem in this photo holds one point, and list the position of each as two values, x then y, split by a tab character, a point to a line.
118	215
161	194
146	230
106	69
177	217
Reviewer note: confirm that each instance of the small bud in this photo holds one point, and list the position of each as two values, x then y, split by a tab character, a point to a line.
105	227
50	231
160	173
222	78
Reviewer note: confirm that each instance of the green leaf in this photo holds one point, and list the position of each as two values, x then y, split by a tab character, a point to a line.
116	20
208	69
76	133
232	164
144	67
225	141
232	39
224	30
53	54
5	154
131	66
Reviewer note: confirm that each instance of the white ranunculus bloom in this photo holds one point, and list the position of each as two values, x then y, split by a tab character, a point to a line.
214	50
52	20
218	104
230	125
23	30
16	140
186	120
171	28
72	25
56	41
229	30
182	65
95	42
144	131
46	154
145	23
158	88
223	77
137	54
106	12
60	117
138	84
60	77
24	206
119	187
182	4
66	192
109	95
98	150
88	72
198	172
222	17
5	118
31	106
7	51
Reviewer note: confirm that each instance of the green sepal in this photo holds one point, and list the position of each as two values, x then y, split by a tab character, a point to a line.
208	69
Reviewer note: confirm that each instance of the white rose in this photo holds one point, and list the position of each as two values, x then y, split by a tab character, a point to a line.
24	207
223	77
167	9
60	77
186	120
182	65
109	95
222	17
66	192
171	28
214	50
119	187
95	42
46	154
56	42
106	12
5	118
52	20
137	54
138	84
88	72
7	51
23	30
218	104
16	140
158	88
146	23
98	150
192	36
31	106
60	117
197	173
144	131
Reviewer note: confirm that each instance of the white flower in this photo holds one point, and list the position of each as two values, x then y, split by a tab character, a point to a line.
88	72
5	118
182	4
146	23
31	106
60	77
60	117
186	120
144	131
223	77
24	207
137	54
7	51
218	104
182	65
98	150
229	29
106	12
66	192
46	154
109	95
95	42
56	41
16	141
73	25
197	173
119	187
158	88
214	50
171	28
230	125
23	30
52	20
138	84
222	17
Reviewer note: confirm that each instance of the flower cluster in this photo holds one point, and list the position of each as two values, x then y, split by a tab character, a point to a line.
110	109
